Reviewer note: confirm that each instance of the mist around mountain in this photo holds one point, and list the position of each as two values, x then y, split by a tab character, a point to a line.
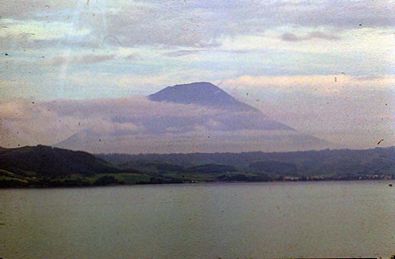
196	117
44	166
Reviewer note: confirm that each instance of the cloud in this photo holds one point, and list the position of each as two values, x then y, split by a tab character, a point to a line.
322	35
83	59
54	121
157	25
195	24
130	121
312	35
13	110
353	111
314	84
31	34
36	30
27	9
184	52
86	79
11	88
289	37
203	25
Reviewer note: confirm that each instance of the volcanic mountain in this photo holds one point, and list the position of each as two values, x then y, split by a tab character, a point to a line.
195	117
208	95
201	93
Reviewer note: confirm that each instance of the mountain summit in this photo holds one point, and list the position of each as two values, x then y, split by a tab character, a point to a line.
201	93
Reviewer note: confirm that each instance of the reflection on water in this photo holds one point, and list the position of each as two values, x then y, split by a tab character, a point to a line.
200	221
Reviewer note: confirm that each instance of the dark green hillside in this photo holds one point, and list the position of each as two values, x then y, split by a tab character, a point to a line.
274	168
44	166
152	166
211	168
49	161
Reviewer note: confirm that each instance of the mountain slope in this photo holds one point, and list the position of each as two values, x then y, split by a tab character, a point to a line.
201	93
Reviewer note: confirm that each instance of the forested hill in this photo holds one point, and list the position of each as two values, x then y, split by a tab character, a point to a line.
303	163
43	166
50	161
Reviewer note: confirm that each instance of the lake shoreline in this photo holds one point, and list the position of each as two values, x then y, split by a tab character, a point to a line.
194	183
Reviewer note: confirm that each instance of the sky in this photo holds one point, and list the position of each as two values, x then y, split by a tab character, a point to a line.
325	68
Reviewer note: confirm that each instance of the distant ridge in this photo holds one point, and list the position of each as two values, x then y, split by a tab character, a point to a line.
337	163
327	164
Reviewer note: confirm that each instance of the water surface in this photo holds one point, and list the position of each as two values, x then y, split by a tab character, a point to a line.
325	219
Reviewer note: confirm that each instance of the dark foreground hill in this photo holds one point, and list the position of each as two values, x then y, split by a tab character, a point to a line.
44	166
50	161
48	166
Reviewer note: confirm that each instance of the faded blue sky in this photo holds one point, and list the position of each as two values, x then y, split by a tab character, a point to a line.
316	65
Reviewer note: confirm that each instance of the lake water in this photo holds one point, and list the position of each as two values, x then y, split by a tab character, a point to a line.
254	220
